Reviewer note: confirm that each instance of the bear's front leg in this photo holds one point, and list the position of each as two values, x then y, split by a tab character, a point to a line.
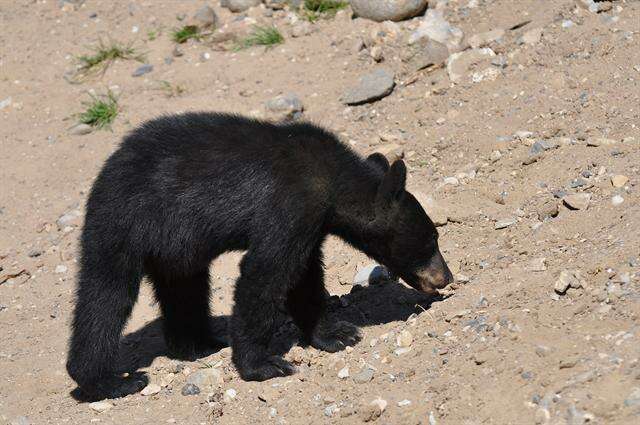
259	297
306	303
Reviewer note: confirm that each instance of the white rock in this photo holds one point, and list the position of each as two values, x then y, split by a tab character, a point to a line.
371	275
435	27
404	402
343	373
80	129
5	102
100	406
207	377
617	200
458	64
61	268
230	394
451	180
504	223
404	339
150	389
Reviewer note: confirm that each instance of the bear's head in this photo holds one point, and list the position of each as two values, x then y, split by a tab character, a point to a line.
405	238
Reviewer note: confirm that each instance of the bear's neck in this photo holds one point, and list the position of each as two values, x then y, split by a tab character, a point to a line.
354	206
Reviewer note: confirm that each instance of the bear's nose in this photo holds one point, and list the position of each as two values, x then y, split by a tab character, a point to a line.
436	274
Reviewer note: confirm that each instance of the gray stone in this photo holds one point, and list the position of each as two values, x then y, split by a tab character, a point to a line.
288	105
239	5
142	69
576	183
371	275
21	420
206	378
5	102
633	399
190	389
71	218
371	87
388	10
364	376
541	146
504	223
435	27
485	38
80	129
206	17
427	52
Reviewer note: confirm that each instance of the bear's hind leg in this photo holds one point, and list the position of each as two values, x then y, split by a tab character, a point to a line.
105	297
307	305
184	302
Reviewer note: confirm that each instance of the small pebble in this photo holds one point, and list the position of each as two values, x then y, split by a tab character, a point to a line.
190	389
230	394
504	223
364	376
343	373
404	339
143	69
619	181
617	200
150	389
100	406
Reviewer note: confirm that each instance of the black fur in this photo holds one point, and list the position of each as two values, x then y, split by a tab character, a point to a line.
181	190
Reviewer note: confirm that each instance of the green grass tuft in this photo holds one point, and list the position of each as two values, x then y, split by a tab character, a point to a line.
100	111
181	35
316	9
261	36
104	55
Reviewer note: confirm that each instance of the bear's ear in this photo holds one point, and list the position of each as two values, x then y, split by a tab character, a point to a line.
393	184
379	161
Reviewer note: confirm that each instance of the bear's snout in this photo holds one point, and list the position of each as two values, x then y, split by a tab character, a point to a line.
434	276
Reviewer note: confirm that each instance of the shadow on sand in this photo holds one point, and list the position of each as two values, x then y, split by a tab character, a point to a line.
363	306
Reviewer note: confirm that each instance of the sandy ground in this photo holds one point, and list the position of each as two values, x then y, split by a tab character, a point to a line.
500	346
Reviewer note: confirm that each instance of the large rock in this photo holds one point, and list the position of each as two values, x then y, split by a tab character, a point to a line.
435	27
239	5
388	10
206	17
371	87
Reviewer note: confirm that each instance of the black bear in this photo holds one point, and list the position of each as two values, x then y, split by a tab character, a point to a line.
183	189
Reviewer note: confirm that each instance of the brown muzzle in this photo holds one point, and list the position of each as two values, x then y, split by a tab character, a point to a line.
434	276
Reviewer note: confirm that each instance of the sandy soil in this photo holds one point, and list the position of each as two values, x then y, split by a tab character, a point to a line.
500	346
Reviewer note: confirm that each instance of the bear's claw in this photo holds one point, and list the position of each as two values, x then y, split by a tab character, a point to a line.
335	337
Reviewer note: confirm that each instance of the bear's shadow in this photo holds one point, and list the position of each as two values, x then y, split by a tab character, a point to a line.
363	306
